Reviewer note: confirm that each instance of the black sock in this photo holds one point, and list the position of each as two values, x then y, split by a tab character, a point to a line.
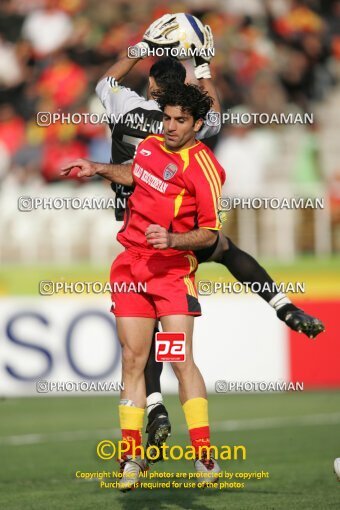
246	269
152	371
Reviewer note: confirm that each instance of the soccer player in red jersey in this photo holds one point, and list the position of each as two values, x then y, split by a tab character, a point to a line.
172	212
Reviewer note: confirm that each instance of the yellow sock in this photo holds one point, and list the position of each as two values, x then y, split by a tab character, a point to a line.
131	418
196	412
196	415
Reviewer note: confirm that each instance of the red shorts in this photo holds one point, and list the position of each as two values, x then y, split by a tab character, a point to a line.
154	285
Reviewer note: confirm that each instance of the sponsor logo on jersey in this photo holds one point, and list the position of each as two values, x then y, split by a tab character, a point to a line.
145	152
169	171
150	179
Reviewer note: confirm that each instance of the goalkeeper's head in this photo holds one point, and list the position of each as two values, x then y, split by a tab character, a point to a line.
184	108
165	71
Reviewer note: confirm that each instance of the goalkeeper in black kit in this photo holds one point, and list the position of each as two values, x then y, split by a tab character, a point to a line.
140	117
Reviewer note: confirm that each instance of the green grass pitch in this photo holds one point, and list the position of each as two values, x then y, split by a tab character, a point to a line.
293	436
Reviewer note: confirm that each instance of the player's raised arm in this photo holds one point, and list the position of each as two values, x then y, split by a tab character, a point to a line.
202	68
120	174
121	68
117	99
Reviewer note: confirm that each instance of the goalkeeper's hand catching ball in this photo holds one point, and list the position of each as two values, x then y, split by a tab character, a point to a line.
159	34
202	61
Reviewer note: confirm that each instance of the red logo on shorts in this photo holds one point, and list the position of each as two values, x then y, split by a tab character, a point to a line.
170	346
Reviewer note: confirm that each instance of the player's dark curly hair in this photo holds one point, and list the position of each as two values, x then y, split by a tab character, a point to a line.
167	70
189	97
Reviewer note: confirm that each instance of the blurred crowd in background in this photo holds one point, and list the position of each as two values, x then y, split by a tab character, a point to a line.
271	56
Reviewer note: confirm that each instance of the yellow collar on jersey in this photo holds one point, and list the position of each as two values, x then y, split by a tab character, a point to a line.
184	153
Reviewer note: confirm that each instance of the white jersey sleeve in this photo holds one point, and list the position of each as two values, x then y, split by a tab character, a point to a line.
118	100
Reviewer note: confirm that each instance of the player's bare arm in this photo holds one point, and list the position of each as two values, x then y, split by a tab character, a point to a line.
121	68
197	239
207	85
120	174
202	69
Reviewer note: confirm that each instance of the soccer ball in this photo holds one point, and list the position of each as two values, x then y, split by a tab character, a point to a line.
190	31
337	468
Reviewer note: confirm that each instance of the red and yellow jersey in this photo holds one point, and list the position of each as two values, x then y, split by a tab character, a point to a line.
177	190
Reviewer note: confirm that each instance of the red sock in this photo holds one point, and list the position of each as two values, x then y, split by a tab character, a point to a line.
134	438
199	437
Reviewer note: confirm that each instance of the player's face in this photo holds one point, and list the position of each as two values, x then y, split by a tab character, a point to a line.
179	128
